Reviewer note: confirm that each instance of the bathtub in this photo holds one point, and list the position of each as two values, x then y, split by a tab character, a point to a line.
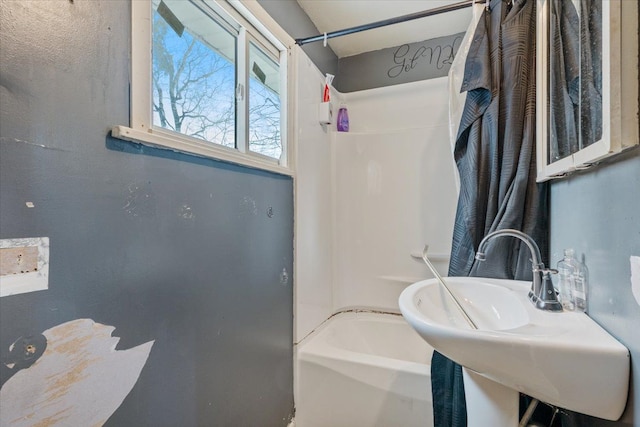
363	369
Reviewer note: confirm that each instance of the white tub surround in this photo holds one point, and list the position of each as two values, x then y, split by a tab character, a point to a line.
393	173
394	191
313	201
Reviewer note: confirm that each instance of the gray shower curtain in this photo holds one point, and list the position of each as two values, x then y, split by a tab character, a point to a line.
495	155
575	84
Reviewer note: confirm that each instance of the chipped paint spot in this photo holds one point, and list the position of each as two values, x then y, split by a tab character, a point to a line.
186	212
30	204
80	379
248	206
4	139
140	200
284	276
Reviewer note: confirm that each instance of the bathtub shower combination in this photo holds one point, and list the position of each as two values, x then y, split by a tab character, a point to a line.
363	369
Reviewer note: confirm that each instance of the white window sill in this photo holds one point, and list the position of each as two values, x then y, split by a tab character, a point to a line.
159	139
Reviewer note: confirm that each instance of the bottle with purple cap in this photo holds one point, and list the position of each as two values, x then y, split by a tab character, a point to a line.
343	119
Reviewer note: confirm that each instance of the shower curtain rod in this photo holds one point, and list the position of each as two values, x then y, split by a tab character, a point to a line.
390	21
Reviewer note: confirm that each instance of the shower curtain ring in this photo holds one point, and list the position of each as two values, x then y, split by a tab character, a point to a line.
324	41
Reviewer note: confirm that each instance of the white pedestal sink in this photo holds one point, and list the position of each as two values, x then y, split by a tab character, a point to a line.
565	358
489	403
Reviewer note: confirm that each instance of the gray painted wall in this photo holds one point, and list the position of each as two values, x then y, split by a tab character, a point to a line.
401	64
293	19
386	67
598	214
163	246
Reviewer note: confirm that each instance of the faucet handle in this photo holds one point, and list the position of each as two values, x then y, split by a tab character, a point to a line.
547	298
546	272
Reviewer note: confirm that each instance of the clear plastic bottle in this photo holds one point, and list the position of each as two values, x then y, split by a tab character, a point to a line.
581	284
567	273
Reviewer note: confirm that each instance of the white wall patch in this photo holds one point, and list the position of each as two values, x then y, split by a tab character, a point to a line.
80	379
24	265
635	277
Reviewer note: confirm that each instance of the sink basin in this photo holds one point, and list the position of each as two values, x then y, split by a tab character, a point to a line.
565	359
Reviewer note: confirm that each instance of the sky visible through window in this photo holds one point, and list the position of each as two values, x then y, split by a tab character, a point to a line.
264	106
194	91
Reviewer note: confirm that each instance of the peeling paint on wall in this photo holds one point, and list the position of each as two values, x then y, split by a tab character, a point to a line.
635	277
5	140
80	379
140	200
248	206
19	272
185	212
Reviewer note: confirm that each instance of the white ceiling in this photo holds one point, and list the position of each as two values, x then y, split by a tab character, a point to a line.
333	15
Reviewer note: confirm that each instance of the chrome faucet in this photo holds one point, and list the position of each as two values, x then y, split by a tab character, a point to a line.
542	293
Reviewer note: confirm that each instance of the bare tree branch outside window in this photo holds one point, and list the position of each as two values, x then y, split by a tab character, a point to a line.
194	92
264	120
193	86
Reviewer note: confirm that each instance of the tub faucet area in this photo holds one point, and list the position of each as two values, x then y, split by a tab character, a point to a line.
542	294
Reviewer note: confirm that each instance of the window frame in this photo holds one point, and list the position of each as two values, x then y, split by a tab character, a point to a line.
619	108
252	30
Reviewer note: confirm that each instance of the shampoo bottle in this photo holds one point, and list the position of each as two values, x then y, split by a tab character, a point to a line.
343	119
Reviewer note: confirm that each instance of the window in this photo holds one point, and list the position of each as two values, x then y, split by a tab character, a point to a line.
264	104
207	81
583	114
